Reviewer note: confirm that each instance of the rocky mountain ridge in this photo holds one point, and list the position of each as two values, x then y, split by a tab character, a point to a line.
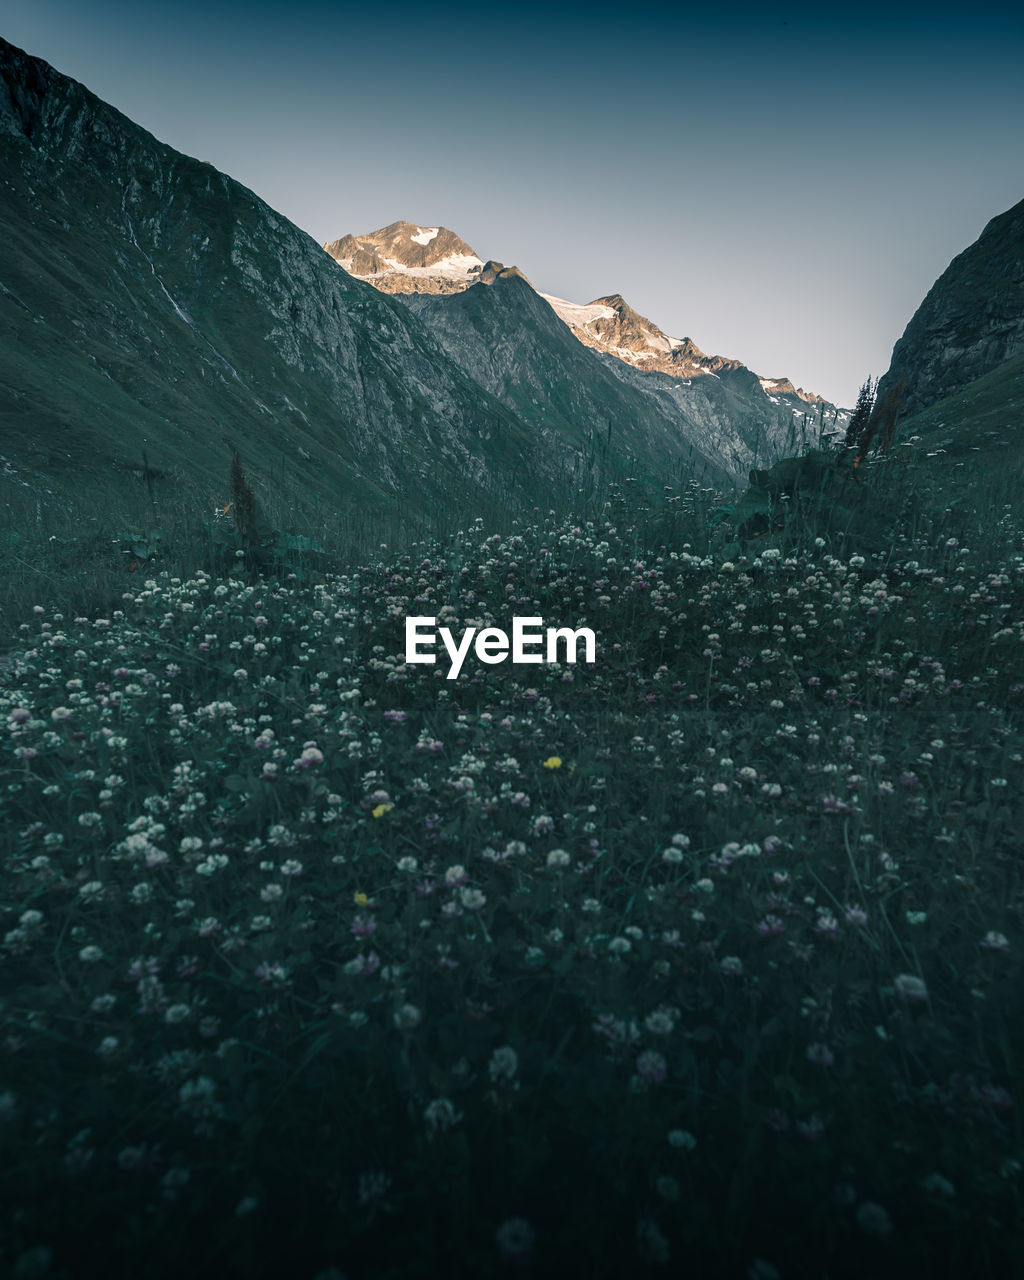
150	304
513	344
156	315
406	258
970	322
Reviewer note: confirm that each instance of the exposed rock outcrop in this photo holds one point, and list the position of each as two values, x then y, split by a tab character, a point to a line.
971	321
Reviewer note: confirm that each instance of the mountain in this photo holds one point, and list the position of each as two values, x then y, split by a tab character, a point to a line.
507	336
610	324
971	321
405	258
517	350
150	303
155	314
434	257
153	309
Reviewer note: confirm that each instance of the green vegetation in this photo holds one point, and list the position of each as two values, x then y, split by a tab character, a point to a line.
314	963
79	554
986	416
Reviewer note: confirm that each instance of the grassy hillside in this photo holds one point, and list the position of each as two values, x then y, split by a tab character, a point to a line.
986	416
964	453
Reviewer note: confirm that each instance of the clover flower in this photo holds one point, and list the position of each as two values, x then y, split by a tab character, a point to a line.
909	987
515	1239
441	1116
503	1064
651	1067
873	1220
994	941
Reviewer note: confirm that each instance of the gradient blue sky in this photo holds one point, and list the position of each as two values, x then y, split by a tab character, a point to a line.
779	182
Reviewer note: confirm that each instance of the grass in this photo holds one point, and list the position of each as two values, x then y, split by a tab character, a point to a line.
67	553
315	963
981	418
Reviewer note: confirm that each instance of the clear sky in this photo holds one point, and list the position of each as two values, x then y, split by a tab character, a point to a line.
780	182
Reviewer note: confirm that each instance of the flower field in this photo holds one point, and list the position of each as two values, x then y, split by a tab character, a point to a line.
703	960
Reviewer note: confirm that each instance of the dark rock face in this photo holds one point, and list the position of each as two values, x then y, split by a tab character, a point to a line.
514	345
148	301
971	321
150	305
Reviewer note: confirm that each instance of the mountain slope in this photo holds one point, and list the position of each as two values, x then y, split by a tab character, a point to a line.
981	424
405	258
516	348
149	302
971	321
605	376
508	337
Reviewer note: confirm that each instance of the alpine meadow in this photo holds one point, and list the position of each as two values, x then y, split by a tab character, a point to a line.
488	789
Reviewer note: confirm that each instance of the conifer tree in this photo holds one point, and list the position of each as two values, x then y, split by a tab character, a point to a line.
862	412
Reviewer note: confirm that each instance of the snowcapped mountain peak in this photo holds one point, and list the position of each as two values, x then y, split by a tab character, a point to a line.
406	257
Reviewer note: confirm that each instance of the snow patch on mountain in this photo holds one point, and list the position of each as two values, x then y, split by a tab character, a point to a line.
658	341
575	314
457	266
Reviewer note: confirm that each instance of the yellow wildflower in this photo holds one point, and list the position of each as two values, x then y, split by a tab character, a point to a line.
360	899
553	762
381	809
